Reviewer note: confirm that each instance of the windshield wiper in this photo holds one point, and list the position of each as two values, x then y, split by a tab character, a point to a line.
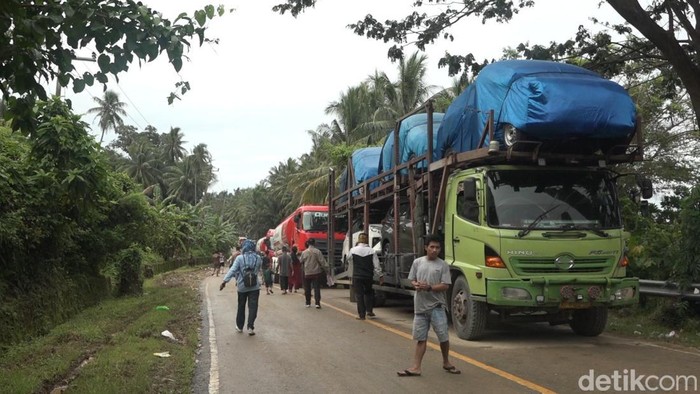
534	223
600	233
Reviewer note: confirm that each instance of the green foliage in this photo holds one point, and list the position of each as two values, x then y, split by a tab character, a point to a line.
40	40
672	314
666	248
65	217
47	298
688	267
118	336
128	272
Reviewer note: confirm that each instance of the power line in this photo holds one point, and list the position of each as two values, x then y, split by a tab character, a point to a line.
130	101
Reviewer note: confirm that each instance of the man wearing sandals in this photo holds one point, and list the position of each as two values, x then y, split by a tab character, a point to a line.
430	275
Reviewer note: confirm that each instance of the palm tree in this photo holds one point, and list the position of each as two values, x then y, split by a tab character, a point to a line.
353	112
173	150
190	178
368	111
309	184
410	89
143	165
280	178
180	179
203	170
109	110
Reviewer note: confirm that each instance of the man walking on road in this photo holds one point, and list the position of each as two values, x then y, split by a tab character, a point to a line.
430	276
284	263
365	265
246	262
314	267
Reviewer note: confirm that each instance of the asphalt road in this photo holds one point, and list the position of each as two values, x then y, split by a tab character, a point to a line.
297	350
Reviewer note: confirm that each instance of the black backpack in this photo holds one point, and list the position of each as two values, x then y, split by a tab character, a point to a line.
250	278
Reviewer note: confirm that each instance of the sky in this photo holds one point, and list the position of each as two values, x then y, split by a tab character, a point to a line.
270	78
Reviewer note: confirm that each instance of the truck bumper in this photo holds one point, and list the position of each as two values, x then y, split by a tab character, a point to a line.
563	293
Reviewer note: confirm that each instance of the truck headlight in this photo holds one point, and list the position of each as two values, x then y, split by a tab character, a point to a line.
515	293
624	293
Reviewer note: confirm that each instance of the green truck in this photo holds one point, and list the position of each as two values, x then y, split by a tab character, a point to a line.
531	234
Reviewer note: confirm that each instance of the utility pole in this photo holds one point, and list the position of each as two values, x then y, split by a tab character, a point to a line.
81	58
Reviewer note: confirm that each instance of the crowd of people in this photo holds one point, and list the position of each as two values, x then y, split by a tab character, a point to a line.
293	269
429	275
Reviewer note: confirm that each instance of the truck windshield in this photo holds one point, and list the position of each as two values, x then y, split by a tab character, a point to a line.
555	199
315	221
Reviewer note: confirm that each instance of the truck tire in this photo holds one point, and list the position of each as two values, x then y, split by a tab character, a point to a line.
468	316
589	322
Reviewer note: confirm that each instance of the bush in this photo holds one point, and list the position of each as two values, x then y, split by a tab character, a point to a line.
672	314
128	271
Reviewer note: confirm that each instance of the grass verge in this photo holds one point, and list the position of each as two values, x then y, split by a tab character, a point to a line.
110	348
660	320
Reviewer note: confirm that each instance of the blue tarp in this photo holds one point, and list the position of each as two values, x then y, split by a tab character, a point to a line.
413	140
365	162
545	100
386	158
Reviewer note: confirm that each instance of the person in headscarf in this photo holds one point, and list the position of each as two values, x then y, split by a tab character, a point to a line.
247	260
295	279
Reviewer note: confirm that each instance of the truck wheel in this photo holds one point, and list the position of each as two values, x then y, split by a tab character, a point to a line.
511	135
379	298
468	316
589	322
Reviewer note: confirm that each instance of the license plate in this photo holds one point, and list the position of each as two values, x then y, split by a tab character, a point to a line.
574	305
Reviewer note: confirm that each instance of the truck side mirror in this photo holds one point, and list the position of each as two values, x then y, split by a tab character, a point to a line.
644	209
646	187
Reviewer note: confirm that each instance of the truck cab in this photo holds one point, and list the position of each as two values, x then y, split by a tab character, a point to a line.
535	242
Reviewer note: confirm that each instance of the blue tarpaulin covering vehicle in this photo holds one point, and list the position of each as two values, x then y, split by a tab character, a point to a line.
537	101
413	140
365	162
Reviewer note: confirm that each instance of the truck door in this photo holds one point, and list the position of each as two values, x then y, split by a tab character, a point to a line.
465	215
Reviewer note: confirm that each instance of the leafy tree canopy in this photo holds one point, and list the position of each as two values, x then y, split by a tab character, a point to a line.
40	40
670	36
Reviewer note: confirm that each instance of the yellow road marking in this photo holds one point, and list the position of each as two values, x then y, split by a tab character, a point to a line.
506	375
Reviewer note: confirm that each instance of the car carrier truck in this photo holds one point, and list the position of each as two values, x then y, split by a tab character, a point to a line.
523	190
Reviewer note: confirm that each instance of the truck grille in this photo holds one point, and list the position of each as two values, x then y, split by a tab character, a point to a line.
322	245
587	265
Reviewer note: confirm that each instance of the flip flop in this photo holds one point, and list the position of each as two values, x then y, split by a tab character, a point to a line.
453	370
406	372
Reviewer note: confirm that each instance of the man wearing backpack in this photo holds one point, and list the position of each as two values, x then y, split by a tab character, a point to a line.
245	269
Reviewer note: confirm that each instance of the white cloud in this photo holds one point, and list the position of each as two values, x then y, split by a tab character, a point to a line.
269	80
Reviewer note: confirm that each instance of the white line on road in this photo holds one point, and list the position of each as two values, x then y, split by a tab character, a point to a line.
214	362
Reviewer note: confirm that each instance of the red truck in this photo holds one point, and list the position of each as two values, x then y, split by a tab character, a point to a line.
306	222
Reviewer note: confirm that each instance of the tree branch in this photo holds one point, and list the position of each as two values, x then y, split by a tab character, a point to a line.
693	33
